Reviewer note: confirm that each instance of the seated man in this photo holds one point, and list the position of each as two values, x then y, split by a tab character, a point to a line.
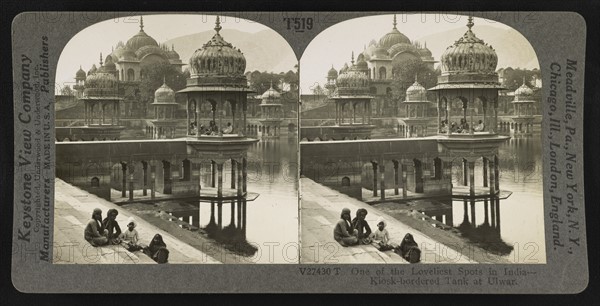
94	232
479	127
228	129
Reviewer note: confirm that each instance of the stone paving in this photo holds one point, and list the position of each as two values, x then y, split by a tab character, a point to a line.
73	209
320	211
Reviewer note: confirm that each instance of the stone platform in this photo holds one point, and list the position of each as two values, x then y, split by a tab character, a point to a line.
73	208
320	211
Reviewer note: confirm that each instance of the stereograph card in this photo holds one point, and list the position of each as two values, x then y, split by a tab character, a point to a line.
375	152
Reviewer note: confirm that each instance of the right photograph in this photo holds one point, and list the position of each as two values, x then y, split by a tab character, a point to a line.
420	142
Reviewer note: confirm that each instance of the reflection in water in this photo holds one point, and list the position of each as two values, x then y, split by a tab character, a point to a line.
262	228
503	226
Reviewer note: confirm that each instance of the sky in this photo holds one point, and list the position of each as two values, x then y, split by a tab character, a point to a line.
334	45
85	47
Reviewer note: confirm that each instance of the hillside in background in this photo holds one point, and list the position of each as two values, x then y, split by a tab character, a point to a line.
512	48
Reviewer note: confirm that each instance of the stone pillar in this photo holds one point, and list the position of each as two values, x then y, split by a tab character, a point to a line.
220	213
485	172
492	177
497	201
239	214
239	179
472	178
382	171
187	113
492	213
220	181
199	180
497	173
485	212
213	173
244	175
152	181
404	181
465	172
131	187
232	220
145	187
374	164
473	220
124	180
233	178
396	179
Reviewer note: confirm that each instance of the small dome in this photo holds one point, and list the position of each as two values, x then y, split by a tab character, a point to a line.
164	94
109	65
100	84
332	73
80	74
344	68
523	91
416	92
270	94
92	70
352	81
218	57
140	39
172	54
393	37
118	51
403	48
362	64
425	52
469	54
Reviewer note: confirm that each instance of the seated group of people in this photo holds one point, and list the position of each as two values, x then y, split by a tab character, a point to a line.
349	232
211	130
100	232
463	127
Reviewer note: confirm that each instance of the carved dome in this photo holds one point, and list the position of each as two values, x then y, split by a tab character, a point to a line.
270	94
100	84
172	54
425	52
416	93
344	68
150	50
352	82
393	37
523	93
164	94
218	57
469	54
332	73
80	74
141	39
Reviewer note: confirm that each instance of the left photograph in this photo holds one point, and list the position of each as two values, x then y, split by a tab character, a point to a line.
176	142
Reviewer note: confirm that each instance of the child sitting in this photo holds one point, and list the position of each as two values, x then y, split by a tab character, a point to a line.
381	237
130	236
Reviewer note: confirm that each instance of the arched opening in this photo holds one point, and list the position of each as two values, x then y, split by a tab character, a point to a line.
345	181
186	170
382	73
95	182
130	74
167	179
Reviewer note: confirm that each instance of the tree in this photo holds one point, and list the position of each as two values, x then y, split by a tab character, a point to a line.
403	75
513	78
154	75
67	91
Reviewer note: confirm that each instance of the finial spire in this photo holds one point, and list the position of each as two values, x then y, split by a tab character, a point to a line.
142	23
523	80
164	79
352	60
416	77
470	23
100	58
172	47
395	23
218	25
271	83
